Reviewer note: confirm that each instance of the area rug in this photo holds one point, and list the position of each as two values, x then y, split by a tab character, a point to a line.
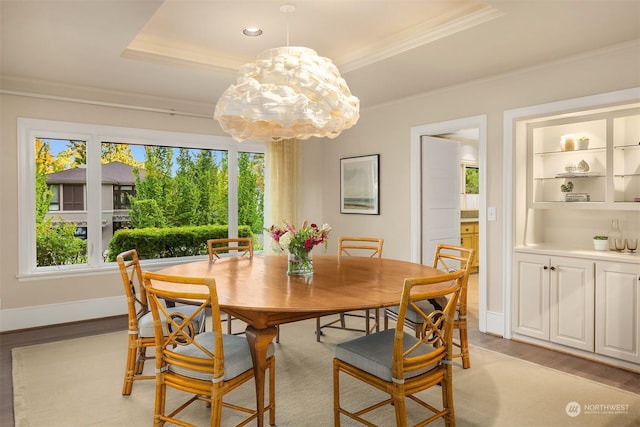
78	383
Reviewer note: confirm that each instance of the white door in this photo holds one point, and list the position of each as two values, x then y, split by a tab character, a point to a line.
441	178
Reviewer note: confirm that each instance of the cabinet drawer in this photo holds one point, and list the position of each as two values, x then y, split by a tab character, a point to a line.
469	228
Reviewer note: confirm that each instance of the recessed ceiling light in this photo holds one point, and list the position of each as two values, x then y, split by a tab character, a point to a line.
251	32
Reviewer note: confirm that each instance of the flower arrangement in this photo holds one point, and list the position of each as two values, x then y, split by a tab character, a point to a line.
299	242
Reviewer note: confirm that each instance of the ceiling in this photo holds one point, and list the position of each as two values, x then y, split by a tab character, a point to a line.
188	50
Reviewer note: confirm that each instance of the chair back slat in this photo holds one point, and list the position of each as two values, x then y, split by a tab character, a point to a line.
243	246
435	338
360	246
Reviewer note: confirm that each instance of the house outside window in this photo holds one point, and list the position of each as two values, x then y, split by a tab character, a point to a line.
92	178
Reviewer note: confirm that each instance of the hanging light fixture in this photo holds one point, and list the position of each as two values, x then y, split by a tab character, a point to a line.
288	92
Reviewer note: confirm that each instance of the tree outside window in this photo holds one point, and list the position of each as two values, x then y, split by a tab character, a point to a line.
145	186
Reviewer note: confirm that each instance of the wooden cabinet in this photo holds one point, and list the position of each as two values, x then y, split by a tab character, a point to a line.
469	238
554	299
618	310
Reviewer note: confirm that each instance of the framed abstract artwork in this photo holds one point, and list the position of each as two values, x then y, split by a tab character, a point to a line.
359	189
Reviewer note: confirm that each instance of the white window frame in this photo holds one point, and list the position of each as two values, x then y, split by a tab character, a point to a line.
94	135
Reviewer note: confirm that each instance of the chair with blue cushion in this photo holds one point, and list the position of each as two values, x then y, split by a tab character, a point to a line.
446	258
205	366
400	364
141	333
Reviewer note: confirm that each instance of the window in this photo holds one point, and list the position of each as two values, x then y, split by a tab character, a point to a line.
122	196
81	183
73	197
54	204
470	185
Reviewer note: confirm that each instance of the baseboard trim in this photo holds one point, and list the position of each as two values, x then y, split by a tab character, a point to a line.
594	357
495	323
52	314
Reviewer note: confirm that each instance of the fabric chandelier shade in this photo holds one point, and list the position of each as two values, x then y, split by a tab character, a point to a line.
288	92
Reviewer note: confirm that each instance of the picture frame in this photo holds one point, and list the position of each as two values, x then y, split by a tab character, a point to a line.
359	185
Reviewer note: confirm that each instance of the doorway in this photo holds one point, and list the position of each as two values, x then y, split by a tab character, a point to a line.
479	126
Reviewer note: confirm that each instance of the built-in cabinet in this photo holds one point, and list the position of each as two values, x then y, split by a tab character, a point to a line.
591	159
469	238
554	299
618	310
582	171
580	303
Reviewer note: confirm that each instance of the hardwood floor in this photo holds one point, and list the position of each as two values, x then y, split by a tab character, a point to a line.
563	362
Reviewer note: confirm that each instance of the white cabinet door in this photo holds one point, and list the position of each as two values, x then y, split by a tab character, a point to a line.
531	295
571	302
617	310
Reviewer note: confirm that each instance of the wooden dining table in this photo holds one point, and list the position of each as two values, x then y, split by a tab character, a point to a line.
258	291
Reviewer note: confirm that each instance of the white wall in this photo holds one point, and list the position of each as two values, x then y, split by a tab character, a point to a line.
385	130
382	129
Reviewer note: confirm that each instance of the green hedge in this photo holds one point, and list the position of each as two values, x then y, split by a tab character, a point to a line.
170	242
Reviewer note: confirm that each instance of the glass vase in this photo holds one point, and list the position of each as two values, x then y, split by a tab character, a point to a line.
614	233
300	263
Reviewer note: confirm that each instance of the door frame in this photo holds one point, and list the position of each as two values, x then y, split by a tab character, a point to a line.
440	128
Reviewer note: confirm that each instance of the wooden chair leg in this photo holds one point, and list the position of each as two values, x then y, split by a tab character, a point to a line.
399	404
141	356
447	400
336	395
318	330
367	327
129	371
464	347
216	411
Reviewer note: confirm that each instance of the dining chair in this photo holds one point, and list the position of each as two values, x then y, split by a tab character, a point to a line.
356	246
240	245
446	258
206	366
400	364
141	332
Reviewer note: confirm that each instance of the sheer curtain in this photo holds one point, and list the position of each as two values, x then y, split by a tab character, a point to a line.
282	193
